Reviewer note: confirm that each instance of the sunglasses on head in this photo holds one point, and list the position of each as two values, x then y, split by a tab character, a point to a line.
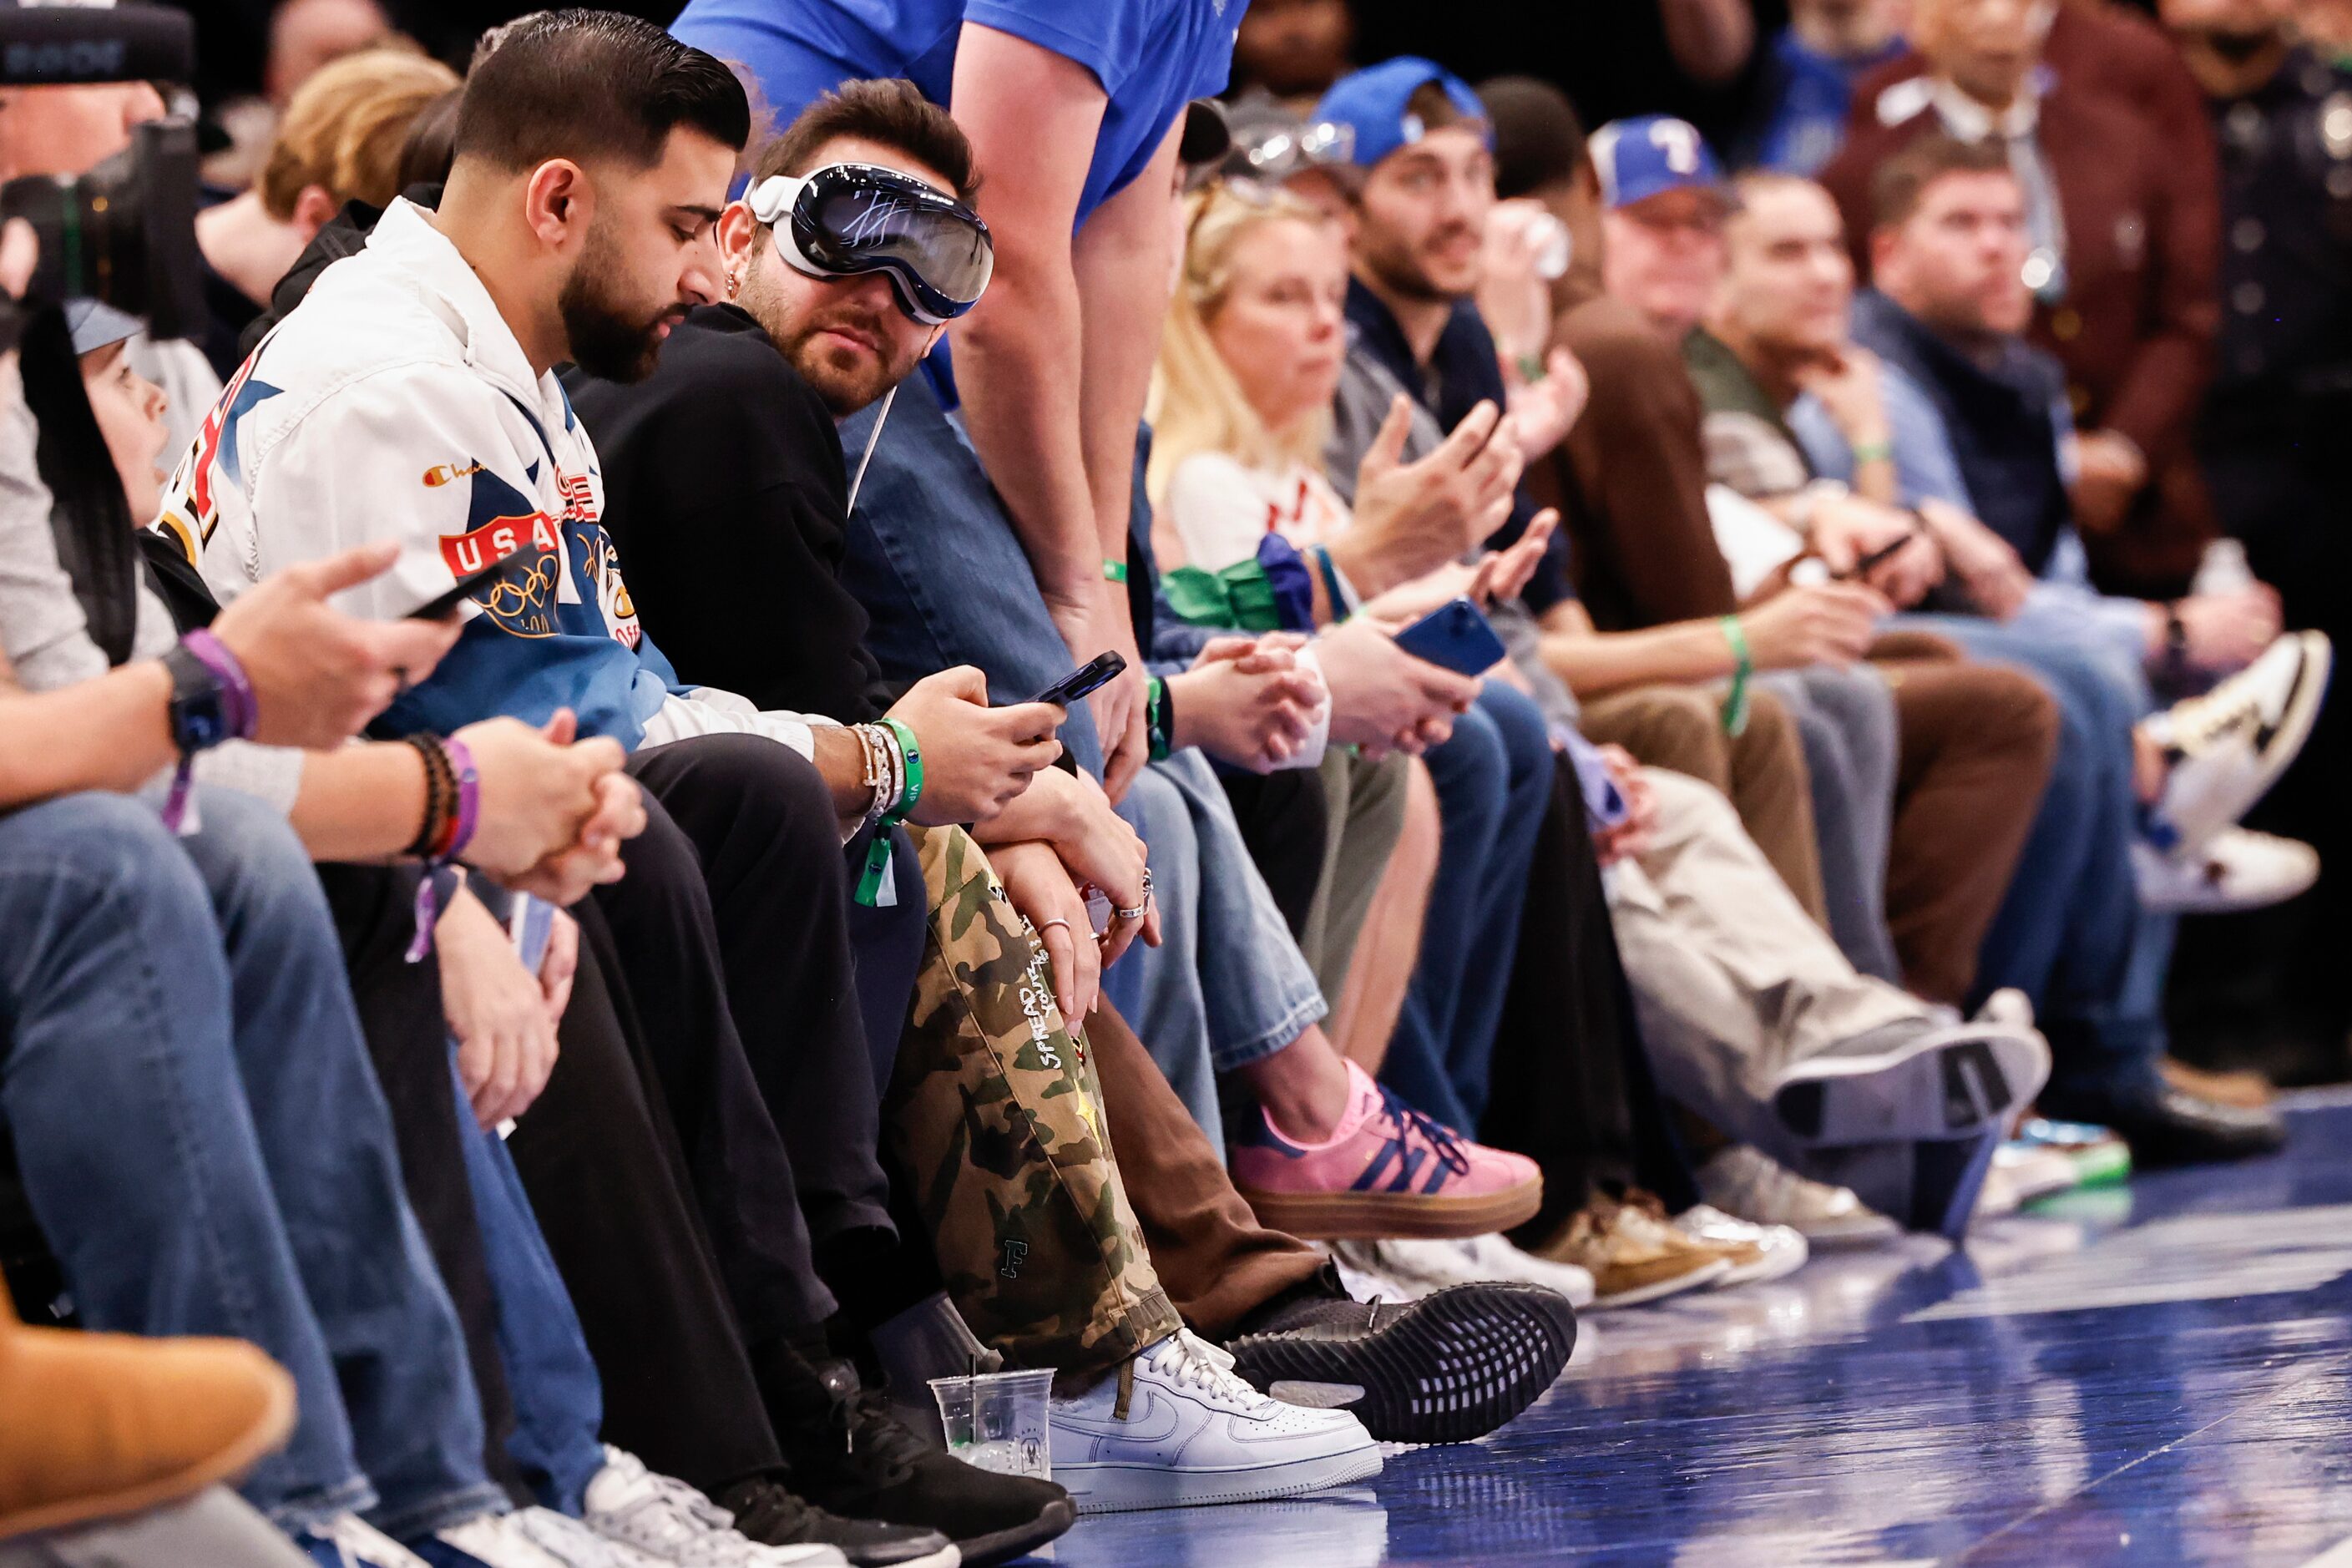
845	220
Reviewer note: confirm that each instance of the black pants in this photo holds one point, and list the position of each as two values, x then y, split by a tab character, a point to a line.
1285	818
1572	1086
742	925
615	1196
408	1040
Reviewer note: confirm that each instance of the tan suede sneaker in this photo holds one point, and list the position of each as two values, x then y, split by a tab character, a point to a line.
102	1425
1633	1257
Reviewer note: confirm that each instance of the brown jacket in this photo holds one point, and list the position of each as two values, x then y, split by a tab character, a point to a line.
2125	136
1630	478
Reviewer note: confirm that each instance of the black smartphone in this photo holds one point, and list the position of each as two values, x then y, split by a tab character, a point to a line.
442	606
1871	561
1097	671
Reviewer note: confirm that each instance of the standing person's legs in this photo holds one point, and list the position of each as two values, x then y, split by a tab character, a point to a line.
1846	721
1761	770
939	570
162	1219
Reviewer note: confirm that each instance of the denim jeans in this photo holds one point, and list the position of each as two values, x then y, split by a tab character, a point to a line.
559	1401
2071	933
1494	779
1227	985
1846	721
941	573
240	1178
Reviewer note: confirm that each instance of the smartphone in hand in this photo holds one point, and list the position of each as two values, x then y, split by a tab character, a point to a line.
1454	635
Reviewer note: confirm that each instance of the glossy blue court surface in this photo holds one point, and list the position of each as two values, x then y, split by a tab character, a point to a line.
2153	1375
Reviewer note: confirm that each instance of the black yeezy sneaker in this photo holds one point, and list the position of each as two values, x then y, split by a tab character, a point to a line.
1444	1369
767	1511
851	1455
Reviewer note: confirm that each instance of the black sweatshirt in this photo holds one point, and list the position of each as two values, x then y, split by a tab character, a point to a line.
726	495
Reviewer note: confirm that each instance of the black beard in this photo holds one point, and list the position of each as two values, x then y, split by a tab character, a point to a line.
604	341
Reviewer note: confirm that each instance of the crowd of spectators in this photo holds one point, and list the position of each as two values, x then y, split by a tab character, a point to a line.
1673	641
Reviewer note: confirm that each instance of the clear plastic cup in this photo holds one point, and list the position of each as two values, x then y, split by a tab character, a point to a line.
996	1421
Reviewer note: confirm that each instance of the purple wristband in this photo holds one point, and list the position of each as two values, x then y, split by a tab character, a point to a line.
440	880
241	708
469	795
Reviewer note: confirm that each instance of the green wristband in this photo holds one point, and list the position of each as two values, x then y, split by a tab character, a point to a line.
1735	701
878	853
1873	452
1114	571
1159	714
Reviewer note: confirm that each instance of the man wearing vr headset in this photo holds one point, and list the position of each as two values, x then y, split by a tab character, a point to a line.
1075	113
729	449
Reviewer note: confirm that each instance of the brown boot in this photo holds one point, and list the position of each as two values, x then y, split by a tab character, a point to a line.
93	1425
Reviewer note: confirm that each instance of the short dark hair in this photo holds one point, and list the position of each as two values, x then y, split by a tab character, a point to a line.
1896	189
1538	139
594	84
1434	107
893	112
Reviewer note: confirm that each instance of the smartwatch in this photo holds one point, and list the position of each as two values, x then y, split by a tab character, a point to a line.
199	708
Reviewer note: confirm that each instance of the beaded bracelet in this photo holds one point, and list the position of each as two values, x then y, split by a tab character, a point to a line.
453	811
910	776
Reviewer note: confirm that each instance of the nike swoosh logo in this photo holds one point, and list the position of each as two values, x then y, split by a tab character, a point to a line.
1154	1424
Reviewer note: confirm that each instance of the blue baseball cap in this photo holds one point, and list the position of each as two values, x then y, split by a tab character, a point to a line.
1371	103
1651	154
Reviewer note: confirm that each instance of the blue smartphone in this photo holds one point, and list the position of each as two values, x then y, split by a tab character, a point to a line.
1457	636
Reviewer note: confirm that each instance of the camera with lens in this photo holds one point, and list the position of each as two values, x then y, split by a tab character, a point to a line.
125	231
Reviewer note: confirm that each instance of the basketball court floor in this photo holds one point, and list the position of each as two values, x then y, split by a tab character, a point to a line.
2153	1374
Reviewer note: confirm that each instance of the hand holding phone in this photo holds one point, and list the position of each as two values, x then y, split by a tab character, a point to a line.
1098	671
1454	637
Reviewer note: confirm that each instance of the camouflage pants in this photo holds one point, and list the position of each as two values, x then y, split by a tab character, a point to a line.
997	1114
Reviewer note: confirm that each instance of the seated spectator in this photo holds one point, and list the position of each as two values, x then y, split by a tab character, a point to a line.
1969	410
765	378
1110	1337
2107	1049
1893	1186
1809	71
339	141
2122	242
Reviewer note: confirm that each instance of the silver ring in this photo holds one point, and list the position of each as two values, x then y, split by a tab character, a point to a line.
1049	925
1134	914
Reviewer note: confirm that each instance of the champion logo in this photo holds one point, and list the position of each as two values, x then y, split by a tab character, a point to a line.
448	473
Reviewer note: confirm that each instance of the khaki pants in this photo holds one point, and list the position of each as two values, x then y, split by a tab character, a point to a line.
1732	982
1761	771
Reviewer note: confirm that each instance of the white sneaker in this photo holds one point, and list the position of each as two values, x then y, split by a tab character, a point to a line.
1195	1434
1477	1259
2235	870
567	1540
1747	1184
656	1522
360	1544
1370	1276
1780	1249
519	1540
2229	746
2029	1171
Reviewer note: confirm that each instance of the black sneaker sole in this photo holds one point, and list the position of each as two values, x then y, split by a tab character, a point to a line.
1004	1545
1444	1369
